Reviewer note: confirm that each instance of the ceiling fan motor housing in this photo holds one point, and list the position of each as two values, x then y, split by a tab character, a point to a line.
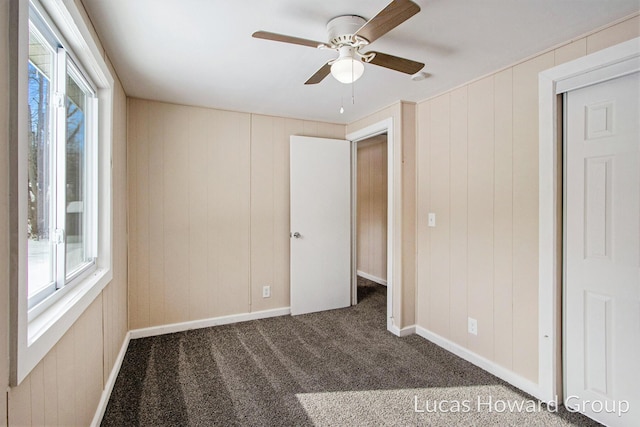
342	28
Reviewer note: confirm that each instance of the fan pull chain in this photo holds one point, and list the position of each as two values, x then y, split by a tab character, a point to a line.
353	83
353	94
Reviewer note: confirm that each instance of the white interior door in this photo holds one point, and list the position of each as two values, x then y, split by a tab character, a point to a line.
602	251
320	224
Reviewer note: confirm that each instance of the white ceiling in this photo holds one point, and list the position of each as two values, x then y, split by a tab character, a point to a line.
200	52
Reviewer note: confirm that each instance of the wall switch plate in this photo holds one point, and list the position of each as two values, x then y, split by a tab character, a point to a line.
473	326
432	220
266	291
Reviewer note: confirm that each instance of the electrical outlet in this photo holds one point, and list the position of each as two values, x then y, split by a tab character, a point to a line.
473	326
266	291
431	220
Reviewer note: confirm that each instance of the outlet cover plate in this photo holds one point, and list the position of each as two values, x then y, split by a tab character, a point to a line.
473	326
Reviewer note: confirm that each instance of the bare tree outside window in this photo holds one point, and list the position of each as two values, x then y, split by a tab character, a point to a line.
39	173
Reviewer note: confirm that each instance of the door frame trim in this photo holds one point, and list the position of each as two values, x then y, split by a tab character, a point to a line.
393	209
607	64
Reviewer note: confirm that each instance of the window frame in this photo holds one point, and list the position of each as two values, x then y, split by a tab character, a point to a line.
63	66
33	335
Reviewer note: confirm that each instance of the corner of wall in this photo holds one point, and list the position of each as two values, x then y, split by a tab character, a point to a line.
409	180
4	210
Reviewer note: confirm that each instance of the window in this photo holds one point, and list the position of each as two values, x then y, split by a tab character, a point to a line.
61	225
61	125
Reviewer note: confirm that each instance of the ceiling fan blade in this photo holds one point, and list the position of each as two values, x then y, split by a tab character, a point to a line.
286	39
319	75
396	63
387	19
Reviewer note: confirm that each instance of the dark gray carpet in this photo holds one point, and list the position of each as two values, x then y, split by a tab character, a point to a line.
333	368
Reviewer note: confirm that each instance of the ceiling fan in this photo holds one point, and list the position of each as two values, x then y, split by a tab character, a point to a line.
350	33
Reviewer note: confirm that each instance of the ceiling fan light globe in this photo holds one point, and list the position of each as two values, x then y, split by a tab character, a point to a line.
347	70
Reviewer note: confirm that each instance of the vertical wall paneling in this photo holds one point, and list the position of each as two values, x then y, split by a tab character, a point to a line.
503	219
409	141
175	179
613	35
37	395
200	297
281	129
480	214
155	219
363	212
570	51
50	386
212	218
114	296
458	223
492	194
263	238
138	184
115	307
372	207
423	282
65	387
215	182
525	214
78	362
19	404
310	128
440	206
233	163
133	178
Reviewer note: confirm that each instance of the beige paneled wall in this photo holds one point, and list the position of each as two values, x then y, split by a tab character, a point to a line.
372	208
270	203
188	213
208	211
114	297
65	387
478	172
409	173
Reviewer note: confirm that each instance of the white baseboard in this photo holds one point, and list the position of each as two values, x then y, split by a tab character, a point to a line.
406	331
111	381
372	278
486	364
205	323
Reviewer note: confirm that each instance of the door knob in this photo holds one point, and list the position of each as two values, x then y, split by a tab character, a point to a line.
296	235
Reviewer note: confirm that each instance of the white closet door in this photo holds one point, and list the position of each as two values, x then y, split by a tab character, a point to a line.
602	258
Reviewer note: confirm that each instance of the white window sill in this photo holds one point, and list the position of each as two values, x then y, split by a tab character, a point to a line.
79	295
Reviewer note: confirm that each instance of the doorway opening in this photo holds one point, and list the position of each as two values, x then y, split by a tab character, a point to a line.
384	127
371	211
